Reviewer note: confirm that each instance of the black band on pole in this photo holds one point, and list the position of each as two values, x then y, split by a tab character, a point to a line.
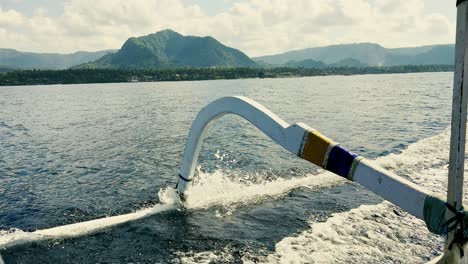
457	224
460	1
184	179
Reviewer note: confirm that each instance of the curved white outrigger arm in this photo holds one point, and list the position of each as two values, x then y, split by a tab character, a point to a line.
290	137
310	145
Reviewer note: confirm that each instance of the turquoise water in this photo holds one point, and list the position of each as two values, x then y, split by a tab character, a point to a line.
72	153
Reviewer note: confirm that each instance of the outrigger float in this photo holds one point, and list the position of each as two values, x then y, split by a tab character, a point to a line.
442	216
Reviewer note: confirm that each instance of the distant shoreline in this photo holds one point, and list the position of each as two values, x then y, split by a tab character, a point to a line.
87	76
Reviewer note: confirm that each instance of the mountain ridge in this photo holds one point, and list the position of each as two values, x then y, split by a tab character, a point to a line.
371	54
46	61
169	49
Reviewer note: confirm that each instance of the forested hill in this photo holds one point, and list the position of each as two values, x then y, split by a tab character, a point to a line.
368	54
169	49
13	59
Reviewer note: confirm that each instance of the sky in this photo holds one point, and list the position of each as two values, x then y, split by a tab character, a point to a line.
257	27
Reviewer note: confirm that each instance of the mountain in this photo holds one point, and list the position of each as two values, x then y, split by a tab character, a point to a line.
443	54
169	49
313	64
364	52
348	62
7	69
368	54
10	58
309	63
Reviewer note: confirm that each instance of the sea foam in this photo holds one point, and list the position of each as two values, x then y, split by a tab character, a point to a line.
370	233
367	234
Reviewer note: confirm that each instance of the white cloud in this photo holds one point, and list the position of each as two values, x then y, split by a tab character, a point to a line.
10	19
257	27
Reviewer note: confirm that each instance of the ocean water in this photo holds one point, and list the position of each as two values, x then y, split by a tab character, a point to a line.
87	172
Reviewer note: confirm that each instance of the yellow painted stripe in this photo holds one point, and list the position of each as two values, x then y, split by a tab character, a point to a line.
316	147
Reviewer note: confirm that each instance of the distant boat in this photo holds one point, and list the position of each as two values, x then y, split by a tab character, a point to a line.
134	79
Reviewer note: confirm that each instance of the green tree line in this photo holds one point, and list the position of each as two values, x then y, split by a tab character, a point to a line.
76	76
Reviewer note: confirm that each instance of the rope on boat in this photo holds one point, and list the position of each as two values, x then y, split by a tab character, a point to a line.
434	216
184	179
459	225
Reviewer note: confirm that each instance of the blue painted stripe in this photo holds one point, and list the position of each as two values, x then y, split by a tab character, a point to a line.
340	161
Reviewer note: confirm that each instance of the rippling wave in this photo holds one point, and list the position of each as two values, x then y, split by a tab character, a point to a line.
81	167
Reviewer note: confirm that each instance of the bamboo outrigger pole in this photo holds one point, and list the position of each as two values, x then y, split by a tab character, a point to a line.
458	133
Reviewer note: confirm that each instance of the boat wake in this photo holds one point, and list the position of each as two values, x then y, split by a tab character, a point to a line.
370	233
13	237
379	233
216	189
211	189
367	234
